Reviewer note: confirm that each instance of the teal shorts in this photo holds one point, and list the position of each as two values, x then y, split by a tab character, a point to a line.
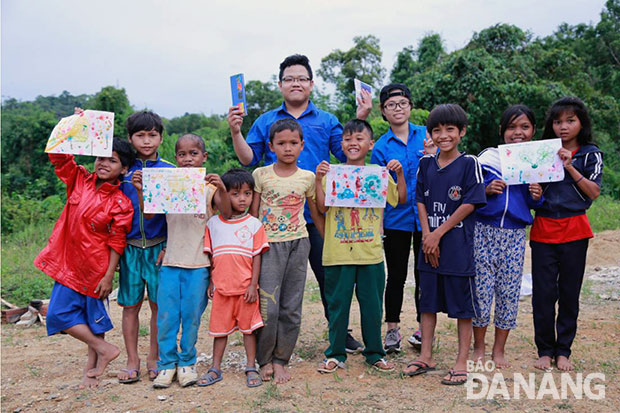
137	270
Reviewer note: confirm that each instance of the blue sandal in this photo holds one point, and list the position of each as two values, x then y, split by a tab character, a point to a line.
207	379
255	376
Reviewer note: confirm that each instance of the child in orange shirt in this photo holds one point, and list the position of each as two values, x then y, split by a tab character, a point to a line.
236	246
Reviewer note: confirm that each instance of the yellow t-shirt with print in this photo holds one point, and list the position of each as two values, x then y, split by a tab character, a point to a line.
282	202
353	235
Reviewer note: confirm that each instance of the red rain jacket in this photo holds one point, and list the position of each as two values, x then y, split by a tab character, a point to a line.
93	221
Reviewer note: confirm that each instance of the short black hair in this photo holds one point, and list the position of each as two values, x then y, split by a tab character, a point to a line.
296	59
124	150
569	104
194	138
236	177
511	114
446	114
357	125
144	120
285	124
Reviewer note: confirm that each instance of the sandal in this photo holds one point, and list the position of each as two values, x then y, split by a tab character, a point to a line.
153	374
455	373
251	374
383	365
129	378
324	367
422	368
207	379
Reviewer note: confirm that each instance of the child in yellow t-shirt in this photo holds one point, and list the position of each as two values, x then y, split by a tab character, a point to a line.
353	256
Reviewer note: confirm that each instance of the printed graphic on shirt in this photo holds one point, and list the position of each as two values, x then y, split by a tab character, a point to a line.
285	217
360	229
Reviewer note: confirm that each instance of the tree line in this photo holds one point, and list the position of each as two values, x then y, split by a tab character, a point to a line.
501	65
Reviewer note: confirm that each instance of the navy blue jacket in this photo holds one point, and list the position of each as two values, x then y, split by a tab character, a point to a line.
564	199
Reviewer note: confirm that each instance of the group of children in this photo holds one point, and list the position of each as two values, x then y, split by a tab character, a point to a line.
249	252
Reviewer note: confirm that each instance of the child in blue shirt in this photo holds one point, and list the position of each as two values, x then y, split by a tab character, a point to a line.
499	240
449	188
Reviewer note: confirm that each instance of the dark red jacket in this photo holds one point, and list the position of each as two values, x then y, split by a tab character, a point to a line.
93	221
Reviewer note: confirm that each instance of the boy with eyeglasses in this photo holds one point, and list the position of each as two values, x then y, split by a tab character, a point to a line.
406	143
322	134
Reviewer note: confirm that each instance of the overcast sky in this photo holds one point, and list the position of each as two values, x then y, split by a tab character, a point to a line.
176	56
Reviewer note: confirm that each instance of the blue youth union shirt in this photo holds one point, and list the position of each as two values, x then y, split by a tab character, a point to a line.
442	191
322	135
405	216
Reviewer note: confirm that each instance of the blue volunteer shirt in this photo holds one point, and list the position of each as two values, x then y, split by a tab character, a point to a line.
405	216
142	228
442	191
322	135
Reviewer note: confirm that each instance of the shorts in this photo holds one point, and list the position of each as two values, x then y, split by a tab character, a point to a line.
451	294
68	308
137	269
230	313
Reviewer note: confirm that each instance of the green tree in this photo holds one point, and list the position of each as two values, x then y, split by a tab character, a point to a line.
261	97
340	68
111	99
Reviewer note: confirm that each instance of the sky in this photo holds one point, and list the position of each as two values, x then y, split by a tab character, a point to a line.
176	56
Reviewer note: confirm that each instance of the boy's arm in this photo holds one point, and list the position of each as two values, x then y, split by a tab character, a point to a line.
242	149
254	208
317	217
401	184
251	294
431	257
220	198
321	171
104	288
430	242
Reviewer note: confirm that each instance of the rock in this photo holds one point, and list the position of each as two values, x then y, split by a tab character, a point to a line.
597	268
524	366
19	409
161	397
52	396
603	296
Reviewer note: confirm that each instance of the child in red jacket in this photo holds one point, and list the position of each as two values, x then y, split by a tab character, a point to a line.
83	252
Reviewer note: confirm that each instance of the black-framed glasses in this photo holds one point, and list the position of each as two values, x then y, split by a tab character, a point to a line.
403	104
289	80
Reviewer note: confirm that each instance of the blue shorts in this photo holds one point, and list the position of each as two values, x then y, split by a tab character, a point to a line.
137	270
69	308
451	294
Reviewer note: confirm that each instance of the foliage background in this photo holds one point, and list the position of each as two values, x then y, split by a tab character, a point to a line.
500	66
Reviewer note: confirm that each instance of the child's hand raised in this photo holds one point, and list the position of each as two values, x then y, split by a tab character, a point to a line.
251	294
429	145
364	104
136	180
566	156
215	180
495	187
535	191
77	111
395	166
235	119
322	169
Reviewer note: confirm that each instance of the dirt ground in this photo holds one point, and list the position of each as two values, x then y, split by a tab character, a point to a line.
41	373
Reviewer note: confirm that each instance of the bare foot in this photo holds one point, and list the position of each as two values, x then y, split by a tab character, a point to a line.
280	373
88	383
129	372
266	372
109	353
543	363
563	363
478	354
500	361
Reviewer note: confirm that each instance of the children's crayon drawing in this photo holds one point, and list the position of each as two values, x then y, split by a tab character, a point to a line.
174	190
87	133
529	162
237	89
356	186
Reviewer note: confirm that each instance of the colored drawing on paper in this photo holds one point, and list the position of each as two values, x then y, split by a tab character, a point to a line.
356	186
174	190
87	133
529	162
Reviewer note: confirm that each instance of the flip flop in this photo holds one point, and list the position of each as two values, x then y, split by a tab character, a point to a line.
155	372
207	379
455	373
255	376
130	379
324	366
422	368
382	365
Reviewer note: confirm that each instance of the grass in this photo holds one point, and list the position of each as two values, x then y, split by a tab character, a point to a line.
604	214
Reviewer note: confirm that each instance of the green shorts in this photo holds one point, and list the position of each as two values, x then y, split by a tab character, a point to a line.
137	269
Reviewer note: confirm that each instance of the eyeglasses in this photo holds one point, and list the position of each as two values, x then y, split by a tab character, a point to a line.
302	80
403	104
